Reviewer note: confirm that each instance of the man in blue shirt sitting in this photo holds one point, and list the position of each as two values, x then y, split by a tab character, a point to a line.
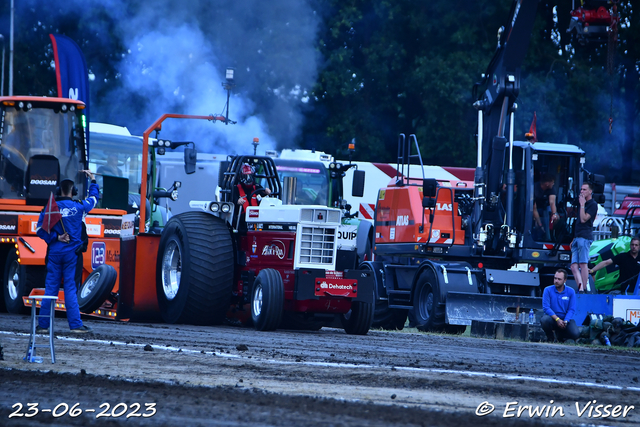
559	305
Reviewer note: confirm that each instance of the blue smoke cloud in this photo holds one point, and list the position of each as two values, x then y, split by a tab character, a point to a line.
175	57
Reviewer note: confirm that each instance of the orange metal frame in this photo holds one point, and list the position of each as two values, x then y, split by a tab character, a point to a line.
142	299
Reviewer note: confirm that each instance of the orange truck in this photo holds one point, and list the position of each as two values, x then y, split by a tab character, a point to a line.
118	280
42	141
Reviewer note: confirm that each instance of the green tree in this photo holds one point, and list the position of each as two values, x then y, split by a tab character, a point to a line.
387	67
403	66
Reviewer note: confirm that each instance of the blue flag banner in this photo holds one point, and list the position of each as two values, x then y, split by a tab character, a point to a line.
71	71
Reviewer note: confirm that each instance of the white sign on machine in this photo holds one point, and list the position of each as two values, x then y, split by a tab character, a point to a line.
347	236
628	309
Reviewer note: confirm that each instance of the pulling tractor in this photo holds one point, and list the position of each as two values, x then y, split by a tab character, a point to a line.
278	259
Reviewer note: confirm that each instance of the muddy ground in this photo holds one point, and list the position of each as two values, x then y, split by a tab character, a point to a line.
158	374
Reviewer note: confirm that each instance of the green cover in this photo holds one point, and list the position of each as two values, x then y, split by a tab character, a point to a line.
601	250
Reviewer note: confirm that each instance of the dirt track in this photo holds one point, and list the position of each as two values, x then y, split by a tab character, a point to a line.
228	376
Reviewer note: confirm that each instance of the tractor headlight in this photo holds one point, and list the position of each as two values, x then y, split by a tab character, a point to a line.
214	207
226	207
174	195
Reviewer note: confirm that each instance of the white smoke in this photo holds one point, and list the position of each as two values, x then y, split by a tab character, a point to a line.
175	57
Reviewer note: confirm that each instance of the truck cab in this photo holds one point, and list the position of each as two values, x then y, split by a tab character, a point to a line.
42	141
47	131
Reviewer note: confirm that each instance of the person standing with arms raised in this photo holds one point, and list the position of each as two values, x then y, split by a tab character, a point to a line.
63	238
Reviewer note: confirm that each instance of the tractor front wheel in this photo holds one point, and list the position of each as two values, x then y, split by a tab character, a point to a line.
267	300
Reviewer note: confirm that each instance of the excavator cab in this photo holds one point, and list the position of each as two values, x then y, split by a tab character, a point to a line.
554	193
551	186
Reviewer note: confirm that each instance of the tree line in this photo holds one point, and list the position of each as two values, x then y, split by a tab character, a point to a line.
384	68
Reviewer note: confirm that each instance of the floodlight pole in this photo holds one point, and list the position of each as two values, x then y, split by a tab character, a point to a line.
228	84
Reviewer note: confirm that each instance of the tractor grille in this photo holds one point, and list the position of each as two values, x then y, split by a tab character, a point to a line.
320	215
317	245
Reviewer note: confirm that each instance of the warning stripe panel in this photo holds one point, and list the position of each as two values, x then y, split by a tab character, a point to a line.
367	210
463	174
440	240
563	247
391	171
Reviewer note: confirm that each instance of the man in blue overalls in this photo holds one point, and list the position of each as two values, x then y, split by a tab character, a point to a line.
63	241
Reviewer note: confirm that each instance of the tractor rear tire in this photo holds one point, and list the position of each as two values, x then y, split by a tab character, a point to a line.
358	320
97	288
18	282
194	270
429	311
267	300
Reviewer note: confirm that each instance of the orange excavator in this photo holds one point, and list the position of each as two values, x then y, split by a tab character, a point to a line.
451	252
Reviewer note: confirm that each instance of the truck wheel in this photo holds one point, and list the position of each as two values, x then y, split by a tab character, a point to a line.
267	300
428	311
384	317
97	288
19	280
194	270
390	319
358	320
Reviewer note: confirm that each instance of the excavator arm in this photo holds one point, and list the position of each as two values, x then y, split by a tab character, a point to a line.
501	84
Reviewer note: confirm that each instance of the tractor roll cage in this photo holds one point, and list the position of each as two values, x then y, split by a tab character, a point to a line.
265	175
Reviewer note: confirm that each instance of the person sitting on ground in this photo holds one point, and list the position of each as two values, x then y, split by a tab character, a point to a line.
559	305
248	188
629	264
